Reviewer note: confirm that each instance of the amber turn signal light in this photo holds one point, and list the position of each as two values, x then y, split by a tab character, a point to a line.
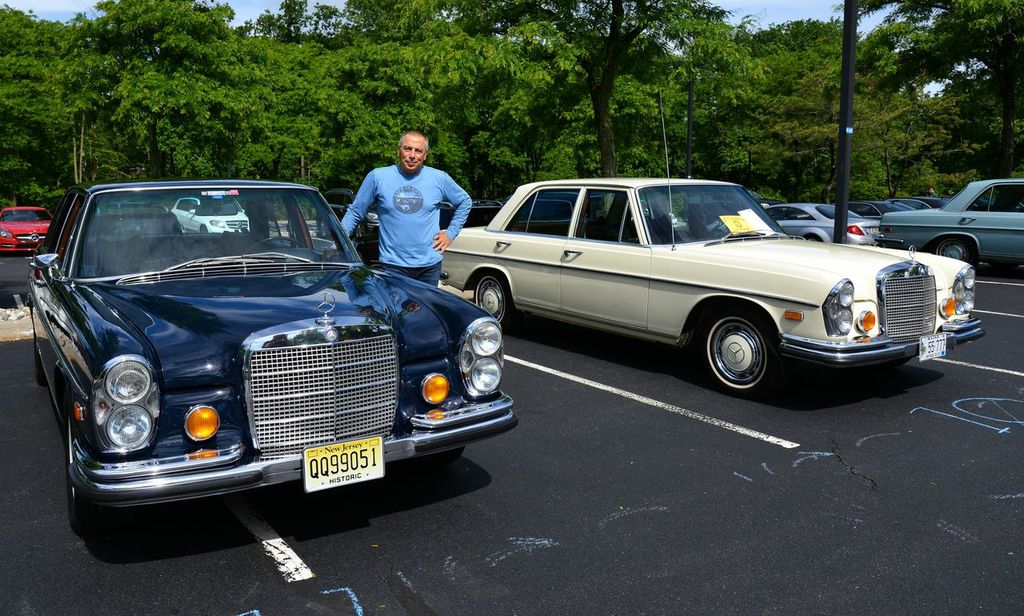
949	307
201	422
867	321
793	315
435	388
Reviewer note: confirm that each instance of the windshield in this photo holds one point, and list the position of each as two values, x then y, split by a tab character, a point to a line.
701	213
24	215
135	231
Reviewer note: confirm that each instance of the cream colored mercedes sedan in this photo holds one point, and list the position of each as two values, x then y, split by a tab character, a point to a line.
694	262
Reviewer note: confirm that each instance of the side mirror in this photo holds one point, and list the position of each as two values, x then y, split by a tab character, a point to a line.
48	261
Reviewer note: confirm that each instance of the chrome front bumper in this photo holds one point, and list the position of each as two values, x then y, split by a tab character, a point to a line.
155	481
876	351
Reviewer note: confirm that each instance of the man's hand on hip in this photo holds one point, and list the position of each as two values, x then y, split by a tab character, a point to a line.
441	241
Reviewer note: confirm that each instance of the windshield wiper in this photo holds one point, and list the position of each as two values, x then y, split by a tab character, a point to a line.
256	257
741	235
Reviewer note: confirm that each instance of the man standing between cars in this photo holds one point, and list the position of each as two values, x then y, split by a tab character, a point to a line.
408	197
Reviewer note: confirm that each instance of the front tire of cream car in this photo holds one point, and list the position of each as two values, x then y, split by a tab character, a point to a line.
492	293
740	353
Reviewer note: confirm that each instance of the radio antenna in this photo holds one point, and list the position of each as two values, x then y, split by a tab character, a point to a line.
668	173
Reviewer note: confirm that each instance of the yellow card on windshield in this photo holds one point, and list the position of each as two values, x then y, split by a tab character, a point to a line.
736	224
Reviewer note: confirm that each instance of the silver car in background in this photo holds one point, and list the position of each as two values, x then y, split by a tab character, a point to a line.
815	221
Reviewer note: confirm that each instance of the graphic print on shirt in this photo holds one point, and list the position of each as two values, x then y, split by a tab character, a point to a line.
407	200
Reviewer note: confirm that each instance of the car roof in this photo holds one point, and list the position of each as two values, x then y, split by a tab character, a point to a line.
626	182
153	185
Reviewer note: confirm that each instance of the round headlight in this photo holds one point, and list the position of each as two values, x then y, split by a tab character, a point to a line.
486	338
128	382
485	375
846	294
969	278
958	287
129	426
845	320
966	303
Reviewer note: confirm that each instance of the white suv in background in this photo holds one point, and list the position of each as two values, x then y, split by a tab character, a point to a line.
210	215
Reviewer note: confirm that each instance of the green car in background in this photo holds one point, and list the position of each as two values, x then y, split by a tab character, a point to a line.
985	222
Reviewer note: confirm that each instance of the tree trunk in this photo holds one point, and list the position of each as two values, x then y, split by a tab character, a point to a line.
1006	92
600	97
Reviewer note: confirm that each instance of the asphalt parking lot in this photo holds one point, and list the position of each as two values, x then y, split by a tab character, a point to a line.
629	487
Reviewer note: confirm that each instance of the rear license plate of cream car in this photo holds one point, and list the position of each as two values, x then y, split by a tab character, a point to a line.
330	466
931	347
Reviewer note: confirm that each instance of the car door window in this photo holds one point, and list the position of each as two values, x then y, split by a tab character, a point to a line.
863	209
602	214
548	212
629	235
61	247
1007	199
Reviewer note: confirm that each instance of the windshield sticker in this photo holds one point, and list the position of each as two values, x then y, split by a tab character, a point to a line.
736	224
220	193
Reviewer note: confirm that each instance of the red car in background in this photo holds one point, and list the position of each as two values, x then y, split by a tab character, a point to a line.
23	228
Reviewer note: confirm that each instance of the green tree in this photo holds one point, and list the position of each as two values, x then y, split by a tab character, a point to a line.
174	78
31	118
983	39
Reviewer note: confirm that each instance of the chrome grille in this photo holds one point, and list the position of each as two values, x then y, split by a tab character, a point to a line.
307	395
238	224
909	306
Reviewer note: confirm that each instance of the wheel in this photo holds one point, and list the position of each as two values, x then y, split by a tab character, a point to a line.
84	516
40	374
813	238
493	295
956	248
741	353
203	229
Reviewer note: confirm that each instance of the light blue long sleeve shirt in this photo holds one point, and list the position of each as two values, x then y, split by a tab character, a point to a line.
408	207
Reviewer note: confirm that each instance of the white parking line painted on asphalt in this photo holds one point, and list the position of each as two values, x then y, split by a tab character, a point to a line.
1001	314
718	423
989	368
287	561
1005	284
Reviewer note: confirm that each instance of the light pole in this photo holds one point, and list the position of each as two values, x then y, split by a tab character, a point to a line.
846	120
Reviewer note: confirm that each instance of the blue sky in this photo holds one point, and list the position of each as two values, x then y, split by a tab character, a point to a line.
766	12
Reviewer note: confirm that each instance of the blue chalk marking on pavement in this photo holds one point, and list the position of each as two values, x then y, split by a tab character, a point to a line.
983	401
351	595
743	477
977	423
251	613
811	455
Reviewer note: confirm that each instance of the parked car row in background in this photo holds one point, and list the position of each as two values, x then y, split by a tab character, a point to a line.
984	222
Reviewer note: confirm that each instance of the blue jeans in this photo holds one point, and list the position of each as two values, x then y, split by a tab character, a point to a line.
430	274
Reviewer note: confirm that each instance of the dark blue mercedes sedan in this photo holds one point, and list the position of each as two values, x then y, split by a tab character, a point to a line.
204	337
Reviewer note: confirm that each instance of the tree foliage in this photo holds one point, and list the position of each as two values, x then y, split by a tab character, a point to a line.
508	92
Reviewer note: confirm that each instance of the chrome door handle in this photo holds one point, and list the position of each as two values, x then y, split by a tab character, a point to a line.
500	245
567	253
966	220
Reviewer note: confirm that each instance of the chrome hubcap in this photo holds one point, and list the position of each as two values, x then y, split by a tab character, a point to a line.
737	353
490	298
954	250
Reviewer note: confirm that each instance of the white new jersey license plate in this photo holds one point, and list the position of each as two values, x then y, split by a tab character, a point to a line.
931	347
330	466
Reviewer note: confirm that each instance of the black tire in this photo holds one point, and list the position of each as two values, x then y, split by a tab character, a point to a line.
85	517
492	293
741	354
813	238
957	248
40	374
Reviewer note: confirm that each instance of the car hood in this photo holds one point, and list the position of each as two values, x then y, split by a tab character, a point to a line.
26	226
792	269
196	327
